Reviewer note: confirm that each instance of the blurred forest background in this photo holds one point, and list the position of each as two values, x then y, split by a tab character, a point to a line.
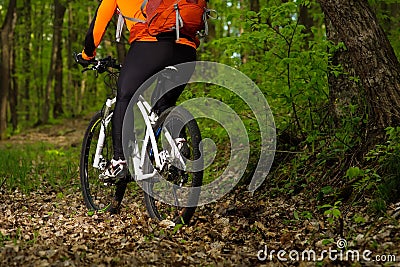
328	69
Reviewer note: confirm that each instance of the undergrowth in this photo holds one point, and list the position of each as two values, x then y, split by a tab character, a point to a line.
331	174
38	166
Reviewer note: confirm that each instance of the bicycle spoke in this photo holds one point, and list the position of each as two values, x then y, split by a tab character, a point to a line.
167	198
97	195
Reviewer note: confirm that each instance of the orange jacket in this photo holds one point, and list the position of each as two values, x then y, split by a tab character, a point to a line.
103	15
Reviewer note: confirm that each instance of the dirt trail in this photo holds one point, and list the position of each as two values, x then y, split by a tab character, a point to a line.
47	228
69	132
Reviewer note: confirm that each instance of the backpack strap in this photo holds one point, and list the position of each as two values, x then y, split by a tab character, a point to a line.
178	21
129	18
121	22
120	25
134	19
205	16
143	6
208	15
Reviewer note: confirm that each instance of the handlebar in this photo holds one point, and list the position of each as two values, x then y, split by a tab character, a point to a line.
101	65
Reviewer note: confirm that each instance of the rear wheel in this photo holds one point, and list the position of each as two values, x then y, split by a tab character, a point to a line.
174	193
97	195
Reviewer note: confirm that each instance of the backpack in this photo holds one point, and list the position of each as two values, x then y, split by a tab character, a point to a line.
186	17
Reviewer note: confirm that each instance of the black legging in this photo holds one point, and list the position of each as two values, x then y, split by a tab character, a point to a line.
143	60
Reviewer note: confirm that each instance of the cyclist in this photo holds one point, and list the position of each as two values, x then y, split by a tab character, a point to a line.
147	55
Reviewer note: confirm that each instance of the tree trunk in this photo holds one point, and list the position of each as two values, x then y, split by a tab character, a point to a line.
26	57
13	96
59	11
121	50
74	81
255	5
54	66
6	38
49	82
38	47
121	45
306	20
343	91
372	58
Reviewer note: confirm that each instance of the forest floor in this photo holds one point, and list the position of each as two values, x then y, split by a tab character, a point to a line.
52	228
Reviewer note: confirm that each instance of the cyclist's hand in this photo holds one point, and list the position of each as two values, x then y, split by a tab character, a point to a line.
83	62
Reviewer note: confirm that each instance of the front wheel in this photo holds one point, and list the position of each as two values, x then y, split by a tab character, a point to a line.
175	193
97	195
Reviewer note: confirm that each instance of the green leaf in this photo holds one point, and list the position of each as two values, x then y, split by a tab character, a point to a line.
328	241
359	219
90	213
336	213
177	227
326	190
354	172
325	206
295	215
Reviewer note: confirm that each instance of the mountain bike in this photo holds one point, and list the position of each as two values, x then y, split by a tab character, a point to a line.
165	161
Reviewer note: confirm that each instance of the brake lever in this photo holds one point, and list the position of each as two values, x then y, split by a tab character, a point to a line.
98	65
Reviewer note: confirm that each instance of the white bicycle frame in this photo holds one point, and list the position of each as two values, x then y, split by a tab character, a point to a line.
138	158
99	161
160	157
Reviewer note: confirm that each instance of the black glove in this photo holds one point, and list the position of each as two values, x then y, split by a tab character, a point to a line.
83	62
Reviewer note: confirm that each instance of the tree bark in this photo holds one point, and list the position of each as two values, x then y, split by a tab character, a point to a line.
121	45
59	11
371	56
38	47
26	57
343	91
255	5
306	20
74	80
55	66
6	38
13	95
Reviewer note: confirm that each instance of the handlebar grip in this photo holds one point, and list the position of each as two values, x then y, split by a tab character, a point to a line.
100	65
